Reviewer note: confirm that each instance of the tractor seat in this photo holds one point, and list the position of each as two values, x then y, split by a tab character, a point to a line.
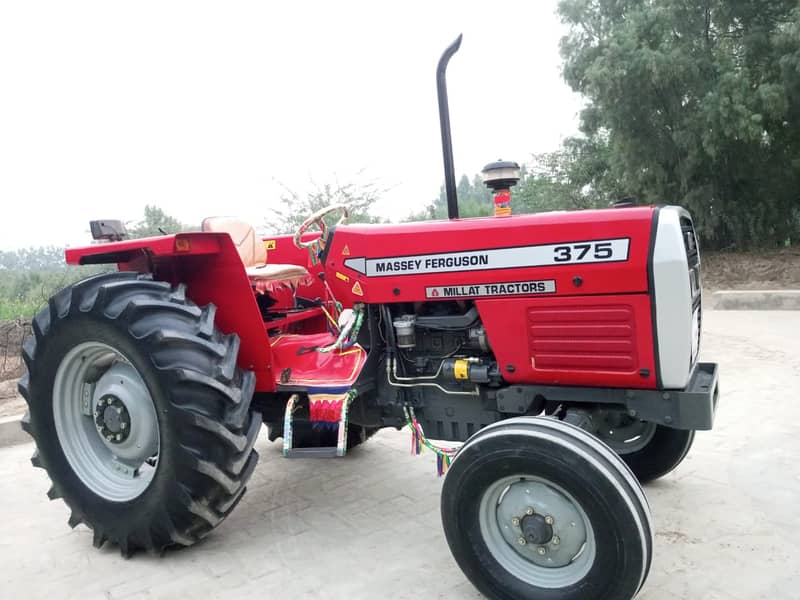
264	277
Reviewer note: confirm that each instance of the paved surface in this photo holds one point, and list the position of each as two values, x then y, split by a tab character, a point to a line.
727	522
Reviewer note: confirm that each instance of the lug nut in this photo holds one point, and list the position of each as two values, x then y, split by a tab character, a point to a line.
529	511
542	550
522	541
515	521
556	540
123	425
549	520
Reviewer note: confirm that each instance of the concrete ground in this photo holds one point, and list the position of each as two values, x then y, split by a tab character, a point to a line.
727	520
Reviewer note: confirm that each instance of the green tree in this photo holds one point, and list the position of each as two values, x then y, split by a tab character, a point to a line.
474	200
294	208
699	102
576	176
156	222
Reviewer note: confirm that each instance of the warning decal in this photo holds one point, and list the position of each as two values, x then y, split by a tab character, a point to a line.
510	288
593	251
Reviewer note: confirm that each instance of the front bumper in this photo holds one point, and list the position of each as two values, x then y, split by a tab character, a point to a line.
693	407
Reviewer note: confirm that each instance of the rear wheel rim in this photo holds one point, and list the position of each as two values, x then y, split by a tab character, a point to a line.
558	562
106	421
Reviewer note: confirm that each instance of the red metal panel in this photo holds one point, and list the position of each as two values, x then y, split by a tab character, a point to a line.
463	235
583	337
221	279
165	245
602	341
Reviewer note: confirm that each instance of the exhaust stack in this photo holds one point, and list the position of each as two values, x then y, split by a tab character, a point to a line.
444	123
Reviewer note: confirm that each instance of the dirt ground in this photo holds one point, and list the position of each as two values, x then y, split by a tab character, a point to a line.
763	270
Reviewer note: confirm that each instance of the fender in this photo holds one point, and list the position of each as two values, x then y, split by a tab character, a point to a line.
210	267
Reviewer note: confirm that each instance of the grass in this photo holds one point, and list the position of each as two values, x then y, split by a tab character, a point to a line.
18	308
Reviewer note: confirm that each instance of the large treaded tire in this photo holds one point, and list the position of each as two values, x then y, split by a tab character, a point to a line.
543	450
202	401
663	453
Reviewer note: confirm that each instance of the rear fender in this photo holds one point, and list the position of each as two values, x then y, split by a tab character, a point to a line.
210	266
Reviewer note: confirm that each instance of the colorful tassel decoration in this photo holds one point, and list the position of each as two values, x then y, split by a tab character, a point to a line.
444	456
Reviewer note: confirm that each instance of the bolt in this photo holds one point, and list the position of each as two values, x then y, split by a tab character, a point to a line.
542	550
123	425
667	419
522	541
119	437
549	520
556	540
109	437
572	524
632	412
515	521
529	511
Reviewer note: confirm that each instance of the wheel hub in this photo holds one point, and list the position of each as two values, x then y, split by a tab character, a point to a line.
540	523
106	421
536	530
621	432
112	419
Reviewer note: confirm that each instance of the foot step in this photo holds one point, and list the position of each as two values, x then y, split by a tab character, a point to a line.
293	406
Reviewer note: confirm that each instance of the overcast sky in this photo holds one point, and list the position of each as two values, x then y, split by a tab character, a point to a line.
204	108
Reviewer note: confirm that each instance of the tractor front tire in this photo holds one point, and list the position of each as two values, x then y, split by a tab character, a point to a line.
650	450
665	451
140	415
535	508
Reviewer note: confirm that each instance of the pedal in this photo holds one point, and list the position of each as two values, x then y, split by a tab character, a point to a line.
293	407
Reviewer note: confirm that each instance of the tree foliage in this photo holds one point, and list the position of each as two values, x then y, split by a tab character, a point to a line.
474	200
156	222
576	176
295	207
29	276
699	104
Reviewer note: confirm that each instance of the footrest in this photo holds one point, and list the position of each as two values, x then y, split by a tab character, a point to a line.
293	406
329	452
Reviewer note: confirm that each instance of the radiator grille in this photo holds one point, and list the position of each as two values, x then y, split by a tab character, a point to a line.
589	337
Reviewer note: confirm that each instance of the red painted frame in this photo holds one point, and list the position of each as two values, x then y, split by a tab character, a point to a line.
209	265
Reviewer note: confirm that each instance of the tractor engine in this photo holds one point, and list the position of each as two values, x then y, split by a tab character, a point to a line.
442	363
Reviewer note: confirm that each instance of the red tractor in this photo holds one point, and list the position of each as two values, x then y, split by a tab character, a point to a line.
559	349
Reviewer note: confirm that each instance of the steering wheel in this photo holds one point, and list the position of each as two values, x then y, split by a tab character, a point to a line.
317	218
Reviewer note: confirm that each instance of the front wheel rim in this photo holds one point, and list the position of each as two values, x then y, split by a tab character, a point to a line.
560	546
106	421
624	434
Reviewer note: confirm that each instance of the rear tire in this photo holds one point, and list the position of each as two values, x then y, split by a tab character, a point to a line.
180	370
583	515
